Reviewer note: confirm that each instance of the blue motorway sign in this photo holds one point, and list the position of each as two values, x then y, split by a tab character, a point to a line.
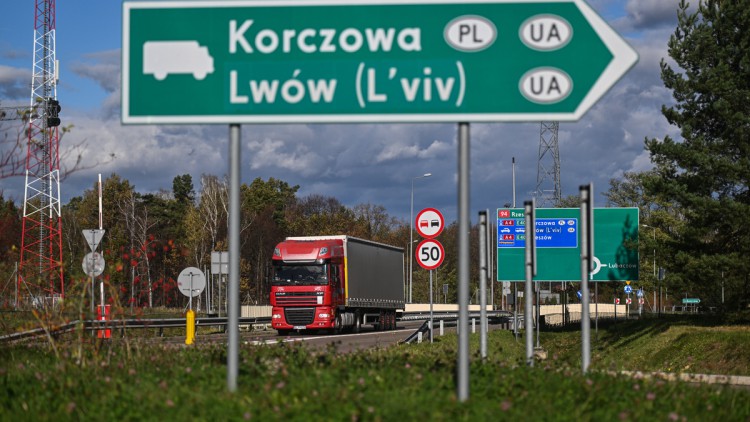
550	233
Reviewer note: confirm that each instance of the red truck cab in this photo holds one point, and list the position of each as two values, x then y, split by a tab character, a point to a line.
307	284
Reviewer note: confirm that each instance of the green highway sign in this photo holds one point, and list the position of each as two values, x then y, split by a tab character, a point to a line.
690	300
365	61
558	258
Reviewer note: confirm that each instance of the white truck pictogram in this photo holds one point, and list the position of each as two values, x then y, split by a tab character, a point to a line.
161	58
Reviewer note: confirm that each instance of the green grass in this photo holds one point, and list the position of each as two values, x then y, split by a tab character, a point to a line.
127	379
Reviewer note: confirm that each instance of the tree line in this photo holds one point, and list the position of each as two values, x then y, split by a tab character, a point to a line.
694	204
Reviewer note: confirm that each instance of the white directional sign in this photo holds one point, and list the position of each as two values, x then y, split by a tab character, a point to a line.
191	282
429	223
93	264
430	254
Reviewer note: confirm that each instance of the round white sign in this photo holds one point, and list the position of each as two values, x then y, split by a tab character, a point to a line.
430	254
429	223
191	282
93	264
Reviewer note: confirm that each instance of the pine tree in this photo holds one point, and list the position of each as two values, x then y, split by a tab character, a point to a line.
705	174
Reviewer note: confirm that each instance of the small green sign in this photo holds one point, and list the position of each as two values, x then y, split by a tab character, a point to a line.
690	300
365	60
615	244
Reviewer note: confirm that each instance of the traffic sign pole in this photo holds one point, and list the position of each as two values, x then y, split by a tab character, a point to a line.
529	208
587	253
483	283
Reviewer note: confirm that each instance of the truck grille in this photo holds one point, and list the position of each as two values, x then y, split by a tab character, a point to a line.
299	316
297	299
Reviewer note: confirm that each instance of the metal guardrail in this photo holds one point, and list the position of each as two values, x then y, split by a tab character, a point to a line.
161	323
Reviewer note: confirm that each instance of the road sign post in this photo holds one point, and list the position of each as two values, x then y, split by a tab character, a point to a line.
286	61
430	252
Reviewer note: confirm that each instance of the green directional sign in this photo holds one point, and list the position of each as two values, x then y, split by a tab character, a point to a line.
690	300
559	257
365	61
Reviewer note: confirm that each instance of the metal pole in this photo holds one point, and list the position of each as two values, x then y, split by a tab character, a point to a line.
432	325
515	309
233	290
529	207
490	263
538	312
15	302
463	262
411	238
587	247
483	283
596	310
514	181
93	299
190	298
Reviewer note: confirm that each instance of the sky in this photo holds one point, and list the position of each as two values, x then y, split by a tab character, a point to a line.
374	163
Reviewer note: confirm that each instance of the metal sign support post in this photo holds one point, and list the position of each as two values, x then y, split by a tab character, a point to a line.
233	290
483	283
190	298
432	324
587	249
93	305
529	210
463	262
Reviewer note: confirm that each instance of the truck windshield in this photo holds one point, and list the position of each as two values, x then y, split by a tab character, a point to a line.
285	275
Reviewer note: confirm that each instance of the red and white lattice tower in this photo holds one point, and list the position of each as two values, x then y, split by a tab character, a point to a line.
40	275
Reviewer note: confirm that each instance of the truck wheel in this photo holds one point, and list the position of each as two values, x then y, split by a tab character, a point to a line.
357	327
339	327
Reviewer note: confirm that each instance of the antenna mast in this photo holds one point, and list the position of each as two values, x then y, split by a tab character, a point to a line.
40	274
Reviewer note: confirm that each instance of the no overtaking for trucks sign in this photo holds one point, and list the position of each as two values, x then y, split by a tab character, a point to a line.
365	60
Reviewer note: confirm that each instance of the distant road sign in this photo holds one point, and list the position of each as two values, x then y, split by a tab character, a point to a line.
550	233
191	281
93	264
628	289
430	254
689	300
93	237
430	223
558	244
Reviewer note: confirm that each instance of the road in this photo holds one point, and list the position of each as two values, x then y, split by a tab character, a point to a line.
343	343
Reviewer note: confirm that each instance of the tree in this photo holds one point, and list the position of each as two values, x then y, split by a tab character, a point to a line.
10	238
706	172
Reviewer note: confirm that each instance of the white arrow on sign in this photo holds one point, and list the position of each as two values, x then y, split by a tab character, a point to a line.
430	254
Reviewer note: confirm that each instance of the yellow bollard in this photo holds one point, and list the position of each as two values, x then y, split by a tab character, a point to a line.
190	324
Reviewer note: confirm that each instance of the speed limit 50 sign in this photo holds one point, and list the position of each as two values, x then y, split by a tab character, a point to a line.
430	254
